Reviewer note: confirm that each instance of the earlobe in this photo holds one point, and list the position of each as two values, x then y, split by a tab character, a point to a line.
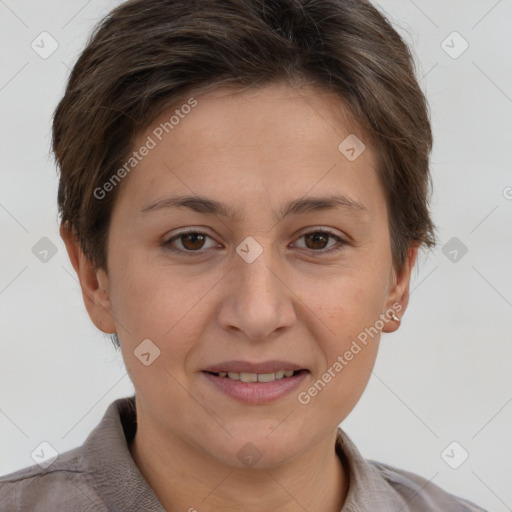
398	296
94	283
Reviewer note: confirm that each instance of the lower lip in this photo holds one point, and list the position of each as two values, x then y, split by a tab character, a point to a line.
256	393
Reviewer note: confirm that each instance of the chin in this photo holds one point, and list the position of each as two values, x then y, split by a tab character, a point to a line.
258	449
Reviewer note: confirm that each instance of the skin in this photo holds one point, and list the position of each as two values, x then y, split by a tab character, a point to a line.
254	150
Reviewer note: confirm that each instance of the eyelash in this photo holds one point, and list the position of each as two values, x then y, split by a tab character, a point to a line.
336	248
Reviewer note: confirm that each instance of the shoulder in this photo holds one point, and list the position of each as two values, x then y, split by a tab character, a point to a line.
100	475
64	485
377	486
420	493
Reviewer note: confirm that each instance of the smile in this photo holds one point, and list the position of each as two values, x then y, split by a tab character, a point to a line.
256	388
256	377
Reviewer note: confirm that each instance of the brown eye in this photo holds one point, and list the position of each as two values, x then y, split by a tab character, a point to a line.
192	241
187	242
317	242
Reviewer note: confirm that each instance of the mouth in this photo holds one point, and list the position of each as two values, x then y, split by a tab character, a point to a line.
255	383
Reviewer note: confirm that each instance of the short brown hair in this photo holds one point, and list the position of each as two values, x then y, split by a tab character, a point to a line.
147	55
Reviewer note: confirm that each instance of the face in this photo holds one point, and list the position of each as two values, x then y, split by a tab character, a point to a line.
271	268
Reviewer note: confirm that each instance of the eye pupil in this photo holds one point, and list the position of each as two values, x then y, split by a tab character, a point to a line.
195	237
321	238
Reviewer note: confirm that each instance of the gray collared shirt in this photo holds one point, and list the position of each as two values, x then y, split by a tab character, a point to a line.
101	476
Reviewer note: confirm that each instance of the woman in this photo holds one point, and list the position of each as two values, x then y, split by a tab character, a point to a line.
243	193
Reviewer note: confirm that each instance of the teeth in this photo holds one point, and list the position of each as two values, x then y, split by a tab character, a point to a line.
266	377
257	377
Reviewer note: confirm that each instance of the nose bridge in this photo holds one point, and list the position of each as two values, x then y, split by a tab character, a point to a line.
259	299
255	270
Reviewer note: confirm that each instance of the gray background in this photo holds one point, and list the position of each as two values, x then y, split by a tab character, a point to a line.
444	376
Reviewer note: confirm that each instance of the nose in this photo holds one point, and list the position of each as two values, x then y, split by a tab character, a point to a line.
258	302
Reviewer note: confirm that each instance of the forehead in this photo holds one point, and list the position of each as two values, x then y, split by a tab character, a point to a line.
272	142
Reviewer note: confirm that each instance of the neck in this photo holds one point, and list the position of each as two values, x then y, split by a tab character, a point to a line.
184	478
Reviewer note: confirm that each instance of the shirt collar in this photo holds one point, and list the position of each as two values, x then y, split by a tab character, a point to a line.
108	461
368	490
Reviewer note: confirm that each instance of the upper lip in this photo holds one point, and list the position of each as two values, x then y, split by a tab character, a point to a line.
247	367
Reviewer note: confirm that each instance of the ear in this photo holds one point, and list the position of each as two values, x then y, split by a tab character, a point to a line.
398	295
94	283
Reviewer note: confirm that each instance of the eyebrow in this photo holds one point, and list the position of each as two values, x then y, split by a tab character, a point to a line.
300	206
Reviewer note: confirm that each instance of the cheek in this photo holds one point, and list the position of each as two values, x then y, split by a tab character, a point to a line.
350	309
354	300
163	304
